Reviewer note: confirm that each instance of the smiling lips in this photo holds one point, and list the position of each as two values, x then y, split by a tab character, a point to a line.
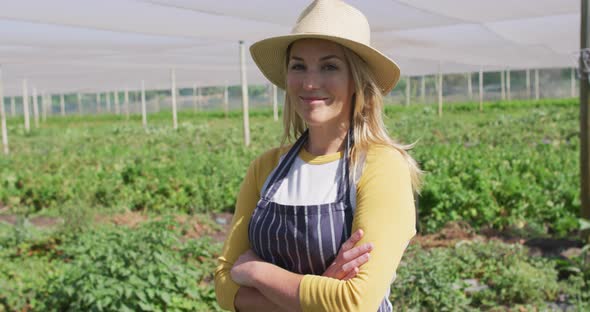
313	99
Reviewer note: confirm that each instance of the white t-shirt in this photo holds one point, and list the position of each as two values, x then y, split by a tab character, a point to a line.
311	180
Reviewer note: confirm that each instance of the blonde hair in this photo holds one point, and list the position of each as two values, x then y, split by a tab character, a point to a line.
367	119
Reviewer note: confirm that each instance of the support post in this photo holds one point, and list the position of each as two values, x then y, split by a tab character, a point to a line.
537	96
573	83
35	108
12	107
173	91
244	94
79	103
107	95
62	103
275	101
26	105
528	83
195	100
481	89
3	118
503	85
585	117
117	107
408	88
440	92
44	106
199	99
226	101
423	90
508	85
127	103
98	108
469	87
143	109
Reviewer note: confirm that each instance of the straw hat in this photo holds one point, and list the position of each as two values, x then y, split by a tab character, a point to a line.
331	20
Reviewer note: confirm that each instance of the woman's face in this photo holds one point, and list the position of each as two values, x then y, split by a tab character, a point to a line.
319	82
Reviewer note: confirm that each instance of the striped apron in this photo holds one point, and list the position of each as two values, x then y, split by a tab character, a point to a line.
303	239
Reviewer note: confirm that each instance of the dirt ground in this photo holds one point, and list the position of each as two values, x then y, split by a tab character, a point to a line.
217	225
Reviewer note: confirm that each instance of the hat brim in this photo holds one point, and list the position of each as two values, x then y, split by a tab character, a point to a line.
270	57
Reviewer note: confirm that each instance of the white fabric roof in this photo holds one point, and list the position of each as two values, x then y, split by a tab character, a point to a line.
86	46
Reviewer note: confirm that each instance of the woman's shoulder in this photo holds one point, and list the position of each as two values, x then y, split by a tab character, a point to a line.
384	165
272	156
379	153
263	165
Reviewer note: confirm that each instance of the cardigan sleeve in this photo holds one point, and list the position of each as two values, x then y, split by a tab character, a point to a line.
385	212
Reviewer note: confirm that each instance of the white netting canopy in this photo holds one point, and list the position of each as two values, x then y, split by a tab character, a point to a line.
108	45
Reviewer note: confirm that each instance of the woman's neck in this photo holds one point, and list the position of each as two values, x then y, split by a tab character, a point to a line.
326	140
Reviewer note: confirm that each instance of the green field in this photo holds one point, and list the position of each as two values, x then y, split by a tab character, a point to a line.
513	168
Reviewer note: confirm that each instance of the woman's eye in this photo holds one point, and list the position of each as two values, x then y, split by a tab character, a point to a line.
330	67
297	67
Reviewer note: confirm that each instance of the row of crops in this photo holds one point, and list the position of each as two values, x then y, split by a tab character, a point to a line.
513	168
508	167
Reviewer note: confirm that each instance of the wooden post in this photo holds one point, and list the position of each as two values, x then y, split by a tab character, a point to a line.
79	103
226	101
573	83
481	89
173	91
585	116
508	85
199	99
44	106
127	103
275	103
195	98
537	96
408	90
35	108
107	95
12	107
98	109
244	94
3	118
469	87
528	83
62	103
117	108
440	92
143	109
26	106
423	90
50	111
503	85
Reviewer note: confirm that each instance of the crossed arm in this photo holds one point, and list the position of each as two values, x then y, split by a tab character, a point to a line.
261	292
384	211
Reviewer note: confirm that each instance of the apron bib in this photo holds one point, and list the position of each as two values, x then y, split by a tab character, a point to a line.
303	239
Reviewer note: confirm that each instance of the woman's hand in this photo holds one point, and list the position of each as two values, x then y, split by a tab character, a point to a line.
349	258
244	269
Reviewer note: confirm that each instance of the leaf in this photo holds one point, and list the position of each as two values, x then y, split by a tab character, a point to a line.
584	224
165	297
146	306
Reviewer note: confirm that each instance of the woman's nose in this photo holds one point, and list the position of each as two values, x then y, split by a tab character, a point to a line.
311	80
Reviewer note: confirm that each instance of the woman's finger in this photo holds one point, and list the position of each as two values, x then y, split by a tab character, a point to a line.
351	274
352	240
356	252
356	262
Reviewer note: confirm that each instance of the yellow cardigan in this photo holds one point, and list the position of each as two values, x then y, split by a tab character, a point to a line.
384	210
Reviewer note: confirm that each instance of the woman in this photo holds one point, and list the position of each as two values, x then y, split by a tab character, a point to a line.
290	246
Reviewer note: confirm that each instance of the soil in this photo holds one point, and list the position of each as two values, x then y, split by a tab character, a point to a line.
41	222
217	226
